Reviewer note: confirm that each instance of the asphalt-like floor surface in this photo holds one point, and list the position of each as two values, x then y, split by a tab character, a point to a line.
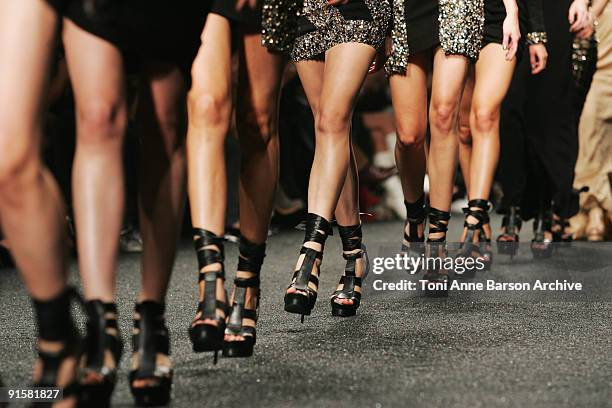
472	349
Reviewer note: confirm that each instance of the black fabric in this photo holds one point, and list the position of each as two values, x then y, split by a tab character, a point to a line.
144	30
53	317
246	16
539	136
495	14
355	10
422	25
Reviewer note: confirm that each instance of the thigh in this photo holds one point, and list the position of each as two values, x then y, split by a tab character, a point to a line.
260	74
346	66
211	72
163	91
96	70
409	91
493	77
27	40
311	76
449	74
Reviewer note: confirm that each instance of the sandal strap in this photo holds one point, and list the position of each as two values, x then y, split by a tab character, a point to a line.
206	256
317	229
304	275
415	212
152	337
351	237
251	256
98	340
478	209
438	222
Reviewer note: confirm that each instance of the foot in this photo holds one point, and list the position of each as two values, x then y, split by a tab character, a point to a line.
251	302
360	268
314	272
66	374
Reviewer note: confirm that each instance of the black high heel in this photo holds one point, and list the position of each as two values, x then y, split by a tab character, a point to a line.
96	379
541	246
436	276
303	300
55	325
508	241
353	250
415	217
150	339
470	248
206	336
559	226
250	260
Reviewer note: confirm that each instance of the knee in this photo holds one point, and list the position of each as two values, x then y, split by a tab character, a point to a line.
258	124
410	134
101	123
442	116
208	109
465	133
484	120
332	124
18	167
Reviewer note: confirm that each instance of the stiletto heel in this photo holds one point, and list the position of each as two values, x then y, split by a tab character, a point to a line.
415	217
204	335
304	298
437	277
250	261
98	375
353	250
55	325
476	243
151	344
508	241
541	246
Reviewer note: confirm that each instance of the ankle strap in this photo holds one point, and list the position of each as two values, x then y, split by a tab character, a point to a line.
151	337
481	213
351	237
53	316
251	256
415	212
314	225
438	220
206	256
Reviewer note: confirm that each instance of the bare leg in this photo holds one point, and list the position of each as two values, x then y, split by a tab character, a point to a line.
33	215
448	81
209	107
334	111
493	77
409	95
259	83
96	70
464	131
162	175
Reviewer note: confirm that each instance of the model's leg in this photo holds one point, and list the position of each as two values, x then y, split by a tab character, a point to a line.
409	95
493	77
259	82
209	106
96	71
162	174
33	218
449	75
463	128
331	162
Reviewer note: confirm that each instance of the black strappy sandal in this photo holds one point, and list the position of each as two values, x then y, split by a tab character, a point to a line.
477	245
205	336
55	325
508	241
149	340
436	276
250	261
415	217
559	230
541	246
96	379
303	300
353	250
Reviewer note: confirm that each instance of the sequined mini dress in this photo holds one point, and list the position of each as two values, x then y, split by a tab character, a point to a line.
419	25
320	26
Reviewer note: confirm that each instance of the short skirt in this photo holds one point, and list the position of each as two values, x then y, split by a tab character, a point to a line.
143	29
321	26
246	16
495	14
422	25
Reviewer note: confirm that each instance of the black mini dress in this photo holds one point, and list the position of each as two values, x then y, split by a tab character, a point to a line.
144	30
246	16
422	25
